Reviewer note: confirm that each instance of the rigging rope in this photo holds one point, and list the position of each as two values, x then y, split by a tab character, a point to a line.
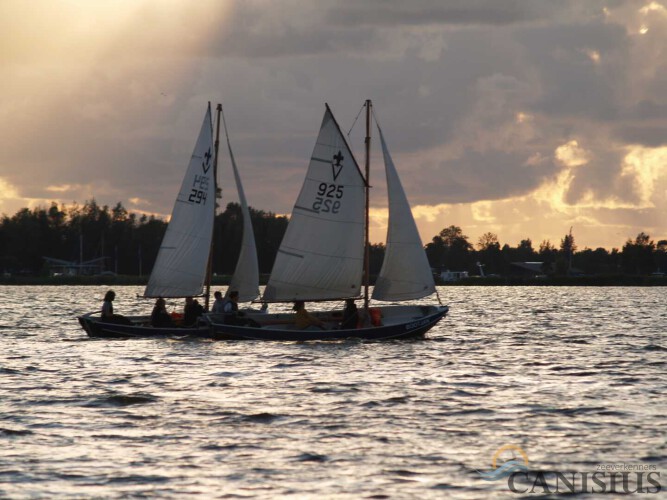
355	120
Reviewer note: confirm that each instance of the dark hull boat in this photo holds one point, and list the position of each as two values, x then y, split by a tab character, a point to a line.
398	323
136	327
324	255
182	265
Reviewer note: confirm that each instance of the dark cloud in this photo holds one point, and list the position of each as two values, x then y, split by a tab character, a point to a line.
475	176
350	26
572	82
650	136
428	12
649	109
603	178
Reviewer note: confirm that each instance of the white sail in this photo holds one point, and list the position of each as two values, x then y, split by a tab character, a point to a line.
405	273
321	255
245	279
181	265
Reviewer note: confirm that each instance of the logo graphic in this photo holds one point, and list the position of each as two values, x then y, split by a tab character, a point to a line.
337	167
509	467
207	164
511	462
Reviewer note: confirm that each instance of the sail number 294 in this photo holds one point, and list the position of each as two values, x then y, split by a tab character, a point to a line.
197	196
328	198
199	190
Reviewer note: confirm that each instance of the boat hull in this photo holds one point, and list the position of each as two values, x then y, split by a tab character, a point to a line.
138	328
413	322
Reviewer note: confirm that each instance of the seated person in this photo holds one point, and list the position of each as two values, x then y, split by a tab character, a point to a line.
303	319
218	304
231	310
108	315
350	316
160	317
191	312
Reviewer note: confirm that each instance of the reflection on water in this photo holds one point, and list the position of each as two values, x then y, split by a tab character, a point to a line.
574	376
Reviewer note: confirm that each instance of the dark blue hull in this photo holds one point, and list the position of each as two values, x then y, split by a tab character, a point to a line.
412	328
96	328
405	327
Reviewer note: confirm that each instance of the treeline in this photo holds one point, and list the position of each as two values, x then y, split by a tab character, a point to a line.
127	244
453	250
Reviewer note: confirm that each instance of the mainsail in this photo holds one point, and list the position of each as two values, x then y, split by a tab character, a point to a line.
181	265
246	275
405	273
321	255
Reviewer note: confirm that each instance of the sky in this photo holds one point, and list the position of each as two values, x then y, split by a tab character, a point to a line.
521	118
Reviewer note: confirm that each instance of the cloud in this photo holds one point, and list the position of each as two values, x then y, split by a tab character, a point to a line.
512	117
429	12
651	136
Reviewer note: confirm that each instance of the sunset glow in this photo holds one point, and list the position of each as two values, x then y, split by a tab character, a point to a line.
521	125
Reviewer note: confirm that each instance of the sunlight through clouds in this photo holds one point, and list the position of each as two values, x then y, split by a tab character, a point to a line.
521	119
7	192
648	166
572	155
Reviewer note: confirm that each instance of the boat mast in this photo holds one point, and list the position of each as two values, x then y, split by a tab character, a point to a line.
209	267
368	193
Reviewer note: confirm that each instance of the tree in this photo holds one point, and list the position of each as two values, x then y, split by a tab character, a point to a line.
451	249
376	257
525	252
637	256
661	256
489	253
593	261
547	254
564	259
488	240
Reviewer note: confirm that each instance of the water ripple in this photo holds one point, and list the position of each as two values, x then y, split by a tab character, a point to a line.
574	376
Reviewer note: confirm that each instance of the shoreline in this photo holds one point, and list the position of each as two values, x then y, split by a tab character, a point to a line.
224	280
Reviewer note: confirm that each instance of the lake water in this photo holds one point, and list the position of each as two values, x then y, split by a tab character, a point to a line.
576	378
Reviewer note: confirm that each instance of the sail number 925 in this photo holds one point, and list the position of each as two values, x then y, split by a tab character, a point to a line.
328	198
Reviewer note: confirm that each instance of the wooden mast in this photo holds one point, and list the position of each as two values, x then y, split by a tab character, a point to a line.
209	267
368	192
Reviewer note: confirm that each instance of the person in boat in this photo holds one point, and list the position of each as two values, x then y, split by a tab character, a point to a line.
192	311
108	315
218	303
107	305
160	317
350	315
303	319
231	310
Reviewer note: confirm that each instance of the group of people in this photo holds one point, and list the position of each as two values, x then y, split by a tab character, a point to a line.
160	318
303	320
229	308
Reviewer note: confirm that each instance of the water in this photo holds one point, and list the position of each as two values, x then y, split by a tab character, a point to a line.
575	377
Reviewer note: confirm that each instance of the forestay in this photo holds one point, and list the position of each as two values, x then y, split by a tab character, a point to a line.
245	279
405	273
321	255
181	265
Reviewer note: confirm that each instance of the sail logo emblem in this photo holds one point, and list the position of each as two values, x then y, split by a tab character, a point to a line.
509	467
336	166
206	164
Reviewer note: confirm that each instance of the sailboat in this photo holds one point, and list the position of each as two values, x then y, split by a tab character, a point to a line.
324	254
182	267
